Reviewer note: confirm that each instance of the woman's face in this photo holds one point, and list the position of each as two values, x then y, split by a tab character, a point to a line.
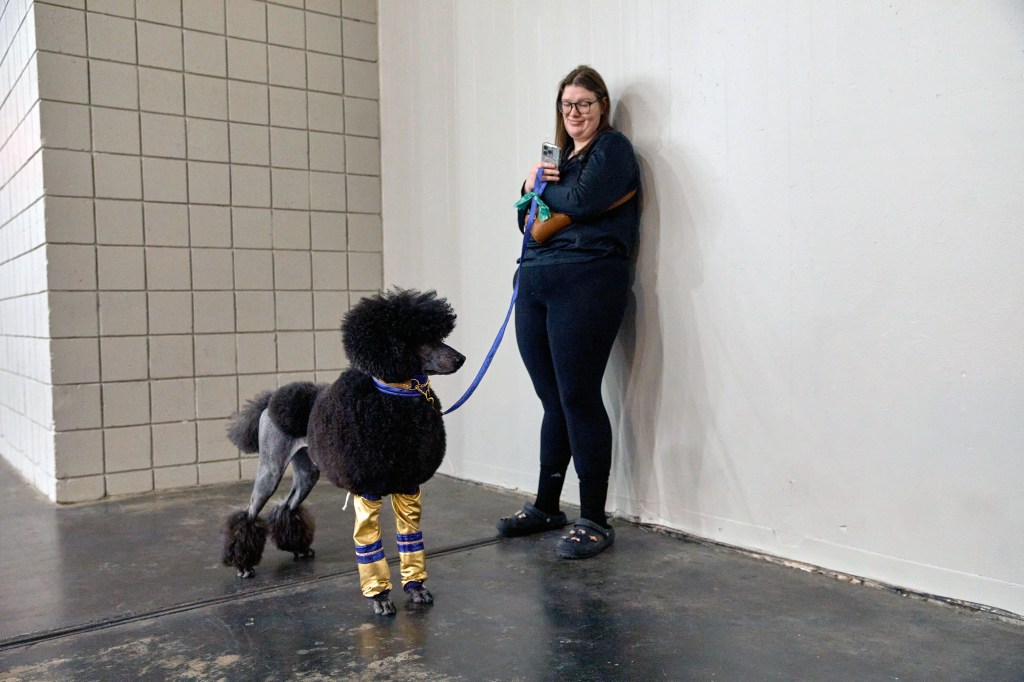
581	127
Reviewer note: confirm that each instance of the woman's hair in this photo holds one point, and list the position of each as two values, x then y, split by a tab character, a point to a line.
585	77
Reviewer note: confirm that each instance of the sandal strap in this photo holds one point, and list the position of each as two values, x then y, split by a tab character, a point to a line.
530	514
588	527
529	511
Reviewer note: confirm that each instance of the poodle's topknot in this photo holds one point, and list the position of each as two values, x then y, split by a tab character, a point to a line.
382	333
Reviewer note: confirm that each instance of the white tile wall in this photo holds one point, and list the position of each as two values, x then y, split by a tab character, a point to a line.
211	443
203	15
26	398
118	222
364	10
174	444
129	482
171	356
187	191
167	12
174	477
124	358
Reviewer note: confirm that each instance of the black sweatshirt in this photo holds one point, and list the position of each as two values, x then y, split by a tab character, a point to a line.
590	183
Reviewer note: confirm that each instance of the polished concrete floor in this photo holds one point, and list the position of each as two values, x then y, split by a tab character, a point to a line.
132	589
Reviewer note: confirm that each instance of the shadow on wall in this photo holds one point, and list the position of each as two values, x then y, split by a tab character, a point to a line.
655	381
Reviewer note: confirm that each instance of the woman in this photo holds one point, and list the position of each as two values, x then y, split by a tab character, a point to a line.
573	289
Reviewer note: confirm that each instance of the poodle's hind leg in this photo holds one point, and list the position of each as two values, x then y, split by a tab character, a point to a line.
245	533
291	525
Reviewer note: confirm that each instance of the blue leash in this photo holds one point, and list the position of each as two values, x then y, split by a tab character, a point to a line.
538	189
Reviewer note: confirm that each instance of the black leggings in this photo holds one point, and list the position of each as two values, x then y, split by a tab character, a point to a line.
567	317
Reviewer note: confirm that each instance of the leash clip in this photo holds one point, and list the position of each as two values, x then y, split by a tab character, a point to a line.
423	389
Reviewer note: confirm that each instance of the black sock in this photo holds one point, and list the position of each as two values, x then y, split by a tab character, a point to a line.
549	489
593	495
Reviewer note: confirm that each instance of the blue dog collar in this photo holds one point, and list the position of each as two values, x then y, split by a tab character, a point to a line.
416	387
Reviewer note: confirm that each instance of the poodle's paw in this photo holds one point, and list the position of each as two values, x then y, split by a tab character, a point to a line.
292	529
421	596
382	604
308	554
418	594
384	608
243	540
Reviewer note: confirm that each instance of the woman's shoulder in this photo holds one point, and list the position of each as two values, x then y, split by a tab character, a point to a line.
610	144
613	140
615	134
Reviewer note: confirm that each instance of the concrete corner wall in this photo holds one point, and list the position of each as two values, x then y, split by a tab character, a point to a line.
191	202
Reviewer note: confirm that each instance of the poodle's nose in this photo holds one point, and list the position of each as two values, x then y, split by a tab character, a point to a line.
451	361
441	359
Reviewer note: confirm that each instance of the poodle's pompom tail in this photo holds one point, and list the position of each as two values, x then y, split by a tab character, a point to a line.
244	539
292	530
291	404
244	426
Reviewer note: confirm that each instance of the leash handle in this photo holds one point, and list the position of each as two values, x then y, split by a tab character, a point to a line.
538	189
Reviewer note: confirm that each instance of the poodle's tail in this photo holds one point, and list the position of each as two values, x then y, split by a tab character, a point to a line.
291	404
244	426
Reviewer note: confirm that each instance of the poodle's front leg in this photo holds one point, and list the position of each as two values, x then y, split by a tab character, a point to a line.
411	552
374	574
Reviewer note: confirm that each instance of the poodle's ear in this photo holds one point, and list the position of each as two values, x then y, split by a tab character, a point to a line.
382	333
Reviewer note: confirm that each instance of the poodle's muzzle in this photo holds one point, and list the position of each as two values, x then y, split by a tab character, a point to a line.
440	359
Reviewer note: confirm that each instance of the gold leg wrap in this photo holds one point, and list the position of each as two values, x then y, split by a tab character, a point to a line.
374	574
410	539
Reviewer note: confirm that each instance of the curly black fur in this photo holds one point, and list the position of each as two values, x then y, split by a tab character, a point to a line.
292	531
290	405
382	334
243	541
244	426
361	439
366	441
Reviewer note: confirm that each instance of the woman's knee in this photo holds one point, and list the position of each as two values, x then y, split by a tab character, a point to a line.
585	411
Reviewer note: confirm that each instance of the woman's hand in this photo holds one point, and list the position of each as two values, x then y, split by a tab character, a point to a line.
550	174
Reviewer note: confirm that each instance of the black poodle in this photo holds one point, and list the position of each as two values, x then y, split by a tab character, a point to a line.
376	431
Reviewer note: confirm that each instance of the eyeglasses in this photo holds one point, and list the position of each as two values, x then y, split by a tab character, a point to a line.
581	107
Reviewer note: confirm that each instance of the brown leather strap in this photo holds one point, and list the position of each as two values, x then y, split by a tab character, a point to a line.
625	197
543	231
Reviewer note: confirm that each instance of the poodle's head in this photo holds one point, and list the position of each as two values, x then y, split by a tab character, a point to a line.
397	334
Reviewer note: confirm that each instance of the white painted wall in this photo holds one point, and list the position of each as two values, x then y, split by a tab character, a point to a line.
823	359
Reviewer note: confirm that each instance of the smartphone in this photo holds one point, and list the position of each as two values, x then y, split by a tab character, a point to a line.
550	153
